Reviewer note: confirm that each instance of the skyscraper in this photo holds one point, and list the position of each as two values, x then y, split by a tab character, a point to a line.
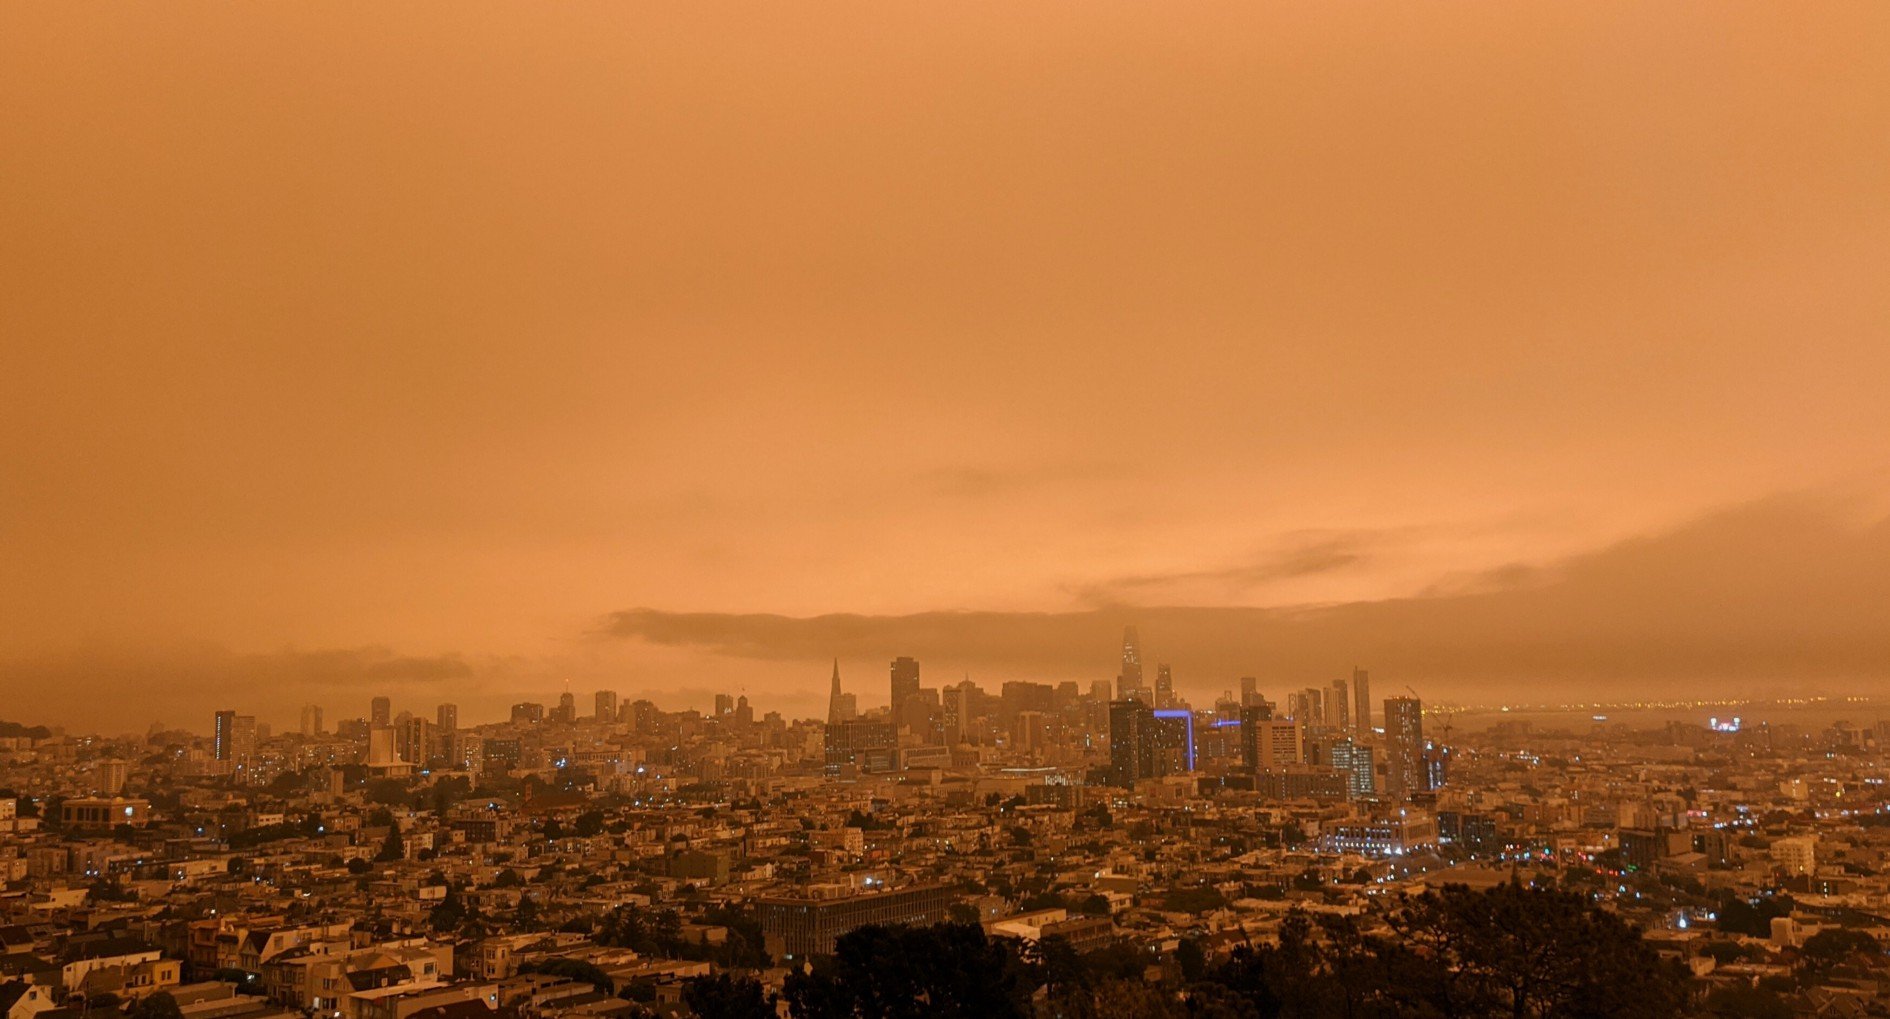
905	682
311	720
447	716
1131	742
223	737
1249	690
958	708
1164	687
380	712
1404	747
841	707
604	705
1362	699
1338	711
1172	736
1355	760
1129	680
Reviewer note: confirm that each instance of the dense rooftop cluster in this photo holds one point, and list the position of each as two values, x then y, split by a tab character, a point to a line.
635	861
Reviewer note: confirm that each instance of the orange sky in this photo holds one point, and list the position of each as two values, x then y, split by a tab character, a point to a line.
400	346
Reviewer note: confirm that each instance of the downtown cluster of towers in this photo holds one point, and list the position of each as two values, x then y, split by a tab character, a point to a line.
1321	741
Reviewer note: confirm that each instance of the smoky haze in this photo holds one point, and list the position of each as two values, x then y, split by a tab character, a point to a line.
467	353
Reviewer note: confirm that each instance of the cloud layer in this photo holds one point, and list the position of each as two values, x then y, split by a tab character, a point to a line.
1780	594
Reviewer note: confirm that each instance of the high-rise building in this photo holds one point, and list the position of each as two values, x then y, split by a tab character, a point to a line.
1404	747
111	776
959	708
1249	689
1131	742
1129	680
1338	710
905	682
447	717
527	713
414	740
1269	742
1307	707
841	707
223	737
566	711
311	720
1173	736
380	711
1031	731
865	746
605	705
1355	759
1362	699
1164	687
1251	718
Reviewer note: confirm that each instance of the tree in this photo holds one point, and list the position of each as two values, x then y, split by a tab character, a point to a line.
156	1005
1191	959
729	997
392	848
1740	1002
1827	949
946	971
1510	951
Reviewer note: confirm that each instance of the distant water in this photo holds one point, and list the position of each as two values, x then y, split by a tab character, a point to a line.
1813	714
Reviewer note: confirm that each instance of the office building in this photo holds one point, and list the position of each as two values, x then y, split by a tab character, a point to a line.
1355	760
311	720
841	707
1338	710
604	705
1362	700
109	776
1129	680
905	682
868	747
380	712
1404	747
794	928
527	713
1164	687
1172	733
1131	742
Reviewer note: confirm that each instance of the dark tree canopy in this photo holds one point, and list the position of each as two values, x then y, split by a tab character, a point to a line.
1509	952
947	971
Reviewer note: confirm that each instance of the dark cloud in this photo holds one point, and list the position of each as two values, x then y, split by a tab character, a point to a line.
1301	556
1771	595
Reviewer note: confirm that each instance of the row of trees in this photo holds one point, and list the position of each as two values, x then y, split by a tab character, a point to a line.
1512	952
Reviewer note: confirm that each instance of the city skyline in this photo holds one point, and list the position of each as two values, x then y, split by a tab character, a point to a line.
944	511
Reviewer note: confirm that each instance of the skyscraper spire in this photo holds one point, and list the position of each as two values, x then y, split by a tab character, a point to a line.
1129	680
837	701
